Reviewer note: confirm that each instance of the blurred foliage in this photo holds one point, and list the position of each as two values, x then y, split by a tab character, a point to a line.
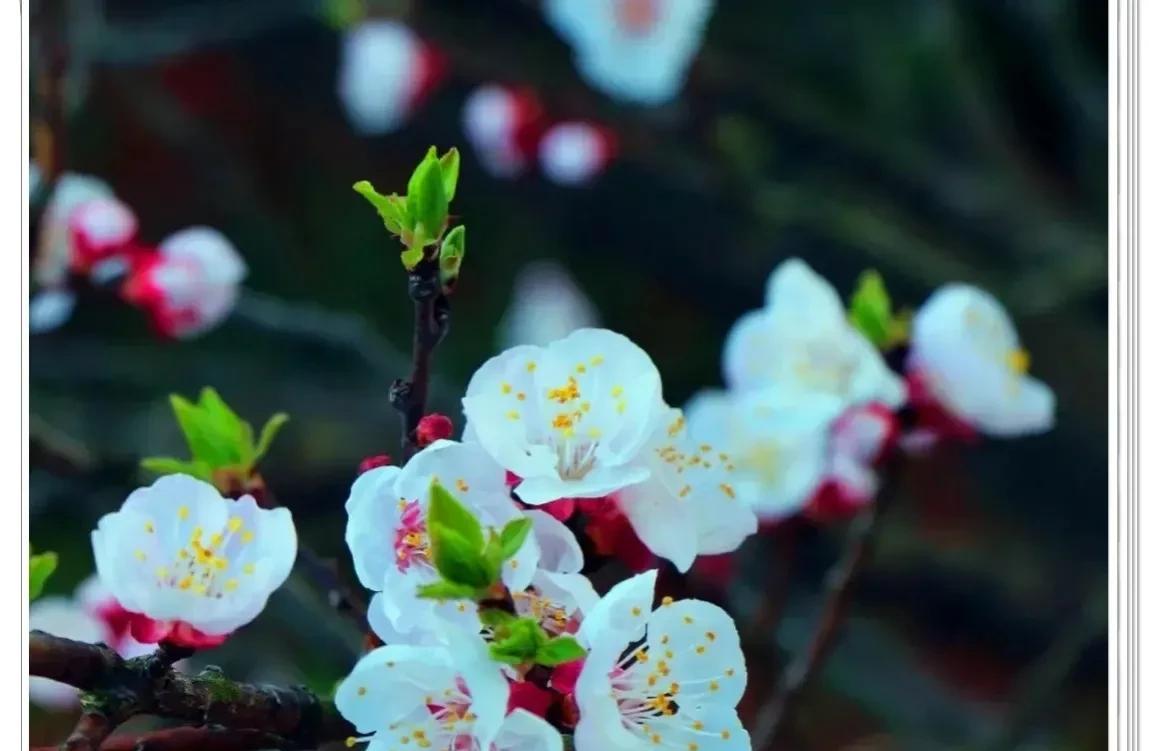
932	141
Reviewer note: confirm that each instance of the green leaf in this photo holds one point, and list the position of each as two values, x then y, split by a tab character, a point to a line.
513	536
455	558
496	618
233	435
427	197
445	590
166	465
268	433
559	650
451	255
493	557
411	257
40	567
524	637
392	210
449	164
446	510
870	309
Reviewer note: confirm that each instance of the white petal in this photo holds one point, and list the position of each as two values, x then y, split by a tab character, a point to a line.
378	76
657	515
49	309
621	614
523	731
391	682
700	645
600	482
559	549
546	305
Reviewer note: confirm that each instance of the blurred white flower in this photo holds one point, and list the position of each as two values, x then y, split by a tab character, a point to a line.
502	125
569	418
573	153
50	308
387	535
546	305
181	554
190	284
965	350
668	677
634	50
92	616
802	341
689	506
777	441
385	71
435	698
859	440
56	250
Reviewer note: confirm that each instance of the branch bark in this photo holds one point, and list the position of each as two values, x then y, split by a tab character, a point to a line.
839	588
432	318
117	689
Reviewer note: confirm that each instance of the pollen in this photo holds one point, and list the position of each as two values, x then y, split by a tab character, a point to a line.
597	360
700	649
566	393
362	691
729	672
521	396
562	421
697	725
665	640
711	636
506	387
513	414
149	527
685	491
249	568
594	434
531	366
725	735
461	485
692	746
636	611
231	585
687	620
668	600
234	524
141	555
620	407
713	686
1018	361
580	368
185	583
183	513
247	537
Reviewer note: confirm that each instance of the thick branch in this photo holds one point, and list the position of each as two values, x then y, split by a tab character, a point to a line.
190	739
839	588
432	317
118	689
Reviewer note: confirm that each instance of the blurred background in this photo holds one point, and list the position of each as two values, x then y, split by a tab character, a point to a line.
932	141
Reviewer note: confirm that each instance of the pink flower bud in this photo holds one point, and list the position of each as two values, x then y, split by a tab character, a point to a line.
432	428
573	153
371	462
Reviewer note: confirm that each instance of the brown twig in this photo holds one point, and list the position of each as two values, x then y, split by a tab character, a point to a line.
777	590
117	689
432	316
839	588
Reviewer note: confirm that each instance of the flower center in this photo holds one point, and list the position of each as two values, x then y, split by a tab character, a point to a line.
411	543
552	616
201	566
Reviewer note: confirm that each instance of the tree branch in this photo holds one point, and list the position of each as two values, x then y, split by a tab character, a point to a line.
432	318
190	739
117	689
839	588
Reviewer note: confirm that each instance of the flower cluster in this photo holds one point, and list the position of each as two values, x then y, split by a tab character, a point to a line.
813	406
186	285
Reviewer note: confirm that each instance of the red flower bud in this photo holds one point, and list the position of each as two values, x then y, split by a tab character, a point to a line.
371	462
432	428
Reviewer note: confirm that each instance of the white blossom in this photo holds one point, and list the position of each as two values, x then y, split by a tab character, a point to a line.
573	153
390	547
634	50
669	677
802	341
967	350
55	251
690	505
431	697
546	304
384	70
501	124
190	284
569	418
179	552
777	440
50	309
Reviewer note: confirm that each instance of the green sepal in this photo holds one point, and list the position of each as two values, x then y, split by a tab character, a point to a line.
392	209
456	560
520	641
451	256
167	465
870	310
445	590
449	164
446	510
267	434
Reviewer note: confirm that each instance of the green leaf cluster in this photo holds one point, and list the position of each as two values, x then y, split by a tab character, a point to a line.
419	219
520	640
40	567
872	313
467	560
218	439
